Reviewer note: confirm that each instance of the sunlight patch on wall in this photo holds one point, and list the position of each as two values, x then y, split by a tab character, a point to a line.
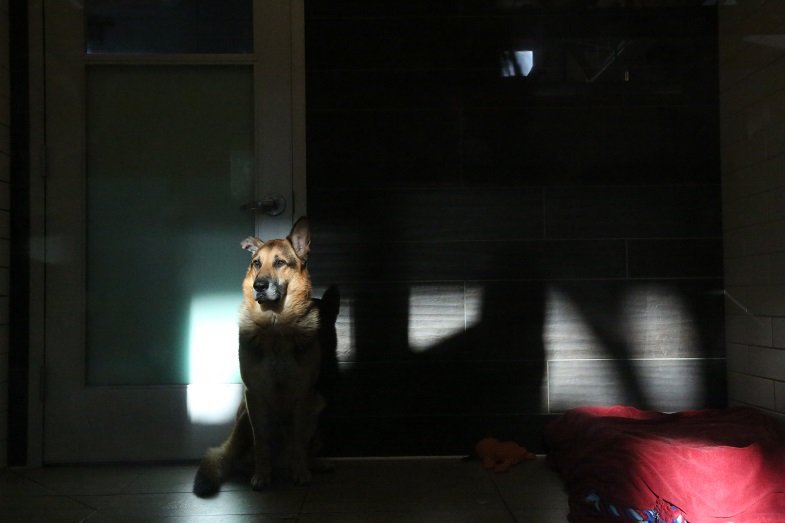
565	331
647	320
659	324
640	345
657	321
438	313
517	63
213	392
345	351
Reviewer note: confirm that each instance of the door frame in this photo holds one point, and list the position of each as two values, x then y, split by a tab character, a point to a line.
37	244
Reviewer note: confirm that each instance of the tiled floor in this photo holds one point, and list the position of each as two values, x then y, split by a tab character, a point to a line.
420	490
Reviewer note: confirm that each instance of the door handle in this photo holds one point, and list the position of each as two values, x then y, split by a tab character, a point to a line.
272	205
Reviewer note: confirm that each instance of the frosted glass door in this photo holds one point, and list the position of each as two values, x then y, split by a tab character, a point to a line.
170	160
162	119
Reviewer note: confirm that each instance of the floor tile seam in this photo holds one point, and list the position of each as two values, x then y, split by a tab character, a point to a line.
49	495
412	457
408	511
38	483
304	500
32	498
66	492
501	495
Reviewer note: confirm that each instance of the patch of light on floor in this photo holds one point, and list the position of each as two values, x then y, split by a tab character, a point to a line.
213	391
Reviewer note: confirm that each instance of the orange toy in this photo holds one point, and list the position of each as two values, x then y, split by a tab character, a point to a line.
498	456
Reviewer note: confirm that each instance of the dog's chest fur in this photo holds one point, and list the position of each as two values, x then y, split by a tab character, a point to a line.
278	357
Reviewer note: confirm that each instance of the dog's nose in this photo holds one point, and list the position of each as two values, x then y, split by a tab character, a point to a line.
261	285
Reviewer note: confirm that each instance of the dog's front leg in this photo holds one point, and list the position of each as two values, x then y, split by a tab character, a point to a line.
305	423
257	412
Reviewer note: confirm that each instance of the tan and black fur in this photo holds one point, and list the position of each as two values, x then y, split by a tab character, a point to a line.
287	341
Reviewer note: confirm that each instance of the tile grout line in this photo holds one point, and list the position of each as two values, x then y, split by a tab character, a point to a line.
501	496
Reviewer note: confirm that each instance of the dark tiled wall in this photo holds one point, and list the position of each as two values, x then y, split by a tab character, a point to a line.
512	246
752	90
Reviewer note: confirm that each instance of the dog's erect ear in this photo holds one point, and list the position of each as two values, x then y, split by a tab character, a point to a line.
251	244
300	237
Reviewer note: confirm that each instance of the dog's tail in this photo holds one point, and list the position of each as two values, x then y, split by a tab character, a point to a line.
220	462
211	473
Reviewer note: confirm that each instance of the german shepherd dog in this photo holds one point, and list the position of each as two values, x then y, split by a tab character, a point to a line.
287	353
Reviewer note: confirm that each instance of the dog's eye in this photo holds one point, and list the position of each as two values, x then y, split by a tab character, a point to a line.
256	263
278	263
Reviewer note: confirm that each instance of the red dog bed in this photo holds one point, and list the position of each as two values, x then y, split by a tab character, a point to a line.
623	464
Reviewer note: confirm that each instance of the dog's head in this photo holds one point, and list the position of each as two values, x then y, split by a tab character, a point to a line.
277	264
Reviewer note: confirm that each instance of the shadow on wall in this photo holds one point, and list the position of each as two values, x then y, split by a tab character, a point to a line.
430	367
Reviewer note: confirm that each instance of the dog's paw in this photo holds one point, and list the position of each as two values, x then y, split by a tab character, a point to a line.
261	481
301	475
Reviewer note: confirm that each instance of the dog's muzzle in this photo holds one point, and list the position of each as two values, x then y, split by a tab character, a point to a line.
266	290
